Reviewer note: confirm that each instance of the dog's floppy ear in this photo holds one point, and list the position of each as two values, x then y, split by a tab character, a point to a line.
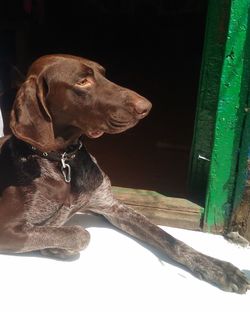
30	119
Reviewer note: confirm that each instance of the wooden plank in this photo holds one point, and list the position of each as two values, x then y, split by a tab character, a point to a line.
162	210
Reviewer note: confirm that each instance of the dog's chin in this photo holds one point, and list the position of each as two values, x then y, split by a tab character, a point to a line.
94	134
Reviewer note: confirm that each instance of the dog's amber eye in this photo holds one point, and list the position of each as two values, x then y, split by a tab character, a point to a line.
85	82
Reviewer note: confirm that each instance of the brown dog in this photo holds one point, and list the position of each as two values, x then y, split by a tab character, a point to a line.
47	175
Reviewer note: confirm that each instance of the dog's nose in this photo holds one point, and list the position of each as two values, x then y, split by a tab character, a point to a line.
142	107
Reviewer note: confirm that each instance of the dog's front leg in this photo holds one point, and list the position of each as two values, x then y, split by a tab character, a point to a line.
61	242
223	274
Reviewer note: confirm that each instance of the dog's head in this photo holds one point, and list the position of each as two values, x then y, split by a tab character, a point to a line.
65	96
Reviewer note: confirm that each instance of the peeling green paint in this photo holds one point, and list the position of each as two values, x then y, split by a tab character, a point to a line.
232	99
244	158
221	111
244	155
207	102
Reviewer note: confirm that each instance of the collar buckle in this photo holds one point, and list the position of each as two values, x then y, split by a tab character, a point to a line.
62	158
66	169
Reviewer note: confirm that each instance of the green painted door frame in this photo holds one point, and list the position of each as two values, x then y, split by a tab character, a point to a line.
218	161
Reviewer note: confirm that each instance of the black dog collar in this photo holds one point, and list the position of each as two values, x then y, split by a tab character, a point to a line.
63	158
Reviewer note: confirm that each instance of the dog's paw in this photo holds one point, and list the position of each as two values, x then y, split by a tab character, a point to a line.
58	253
222	274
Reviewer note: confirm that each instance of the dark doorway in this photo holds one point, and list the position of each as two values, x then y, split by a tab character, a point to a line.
153	47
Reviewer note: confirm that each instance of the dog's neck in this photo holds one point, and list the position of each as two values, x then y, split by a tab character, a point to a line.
65	136
63	157
77	166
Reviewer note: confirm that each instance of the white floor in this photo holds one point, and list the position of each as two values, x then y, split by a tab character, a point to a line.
116	273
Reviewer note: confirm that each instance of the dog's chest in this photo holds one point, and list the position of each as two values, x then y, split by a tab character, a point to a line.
52	200
53	206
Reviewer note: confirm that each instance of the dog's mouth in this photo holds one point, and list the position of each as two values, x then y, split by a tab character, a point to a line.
112	127
119	126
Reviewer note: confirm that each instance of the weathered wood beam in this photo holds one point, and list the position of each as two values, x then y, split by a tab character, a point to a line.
162	210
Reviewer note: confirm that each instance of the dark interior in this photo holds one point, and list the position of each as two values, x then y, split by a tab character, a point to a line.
153	47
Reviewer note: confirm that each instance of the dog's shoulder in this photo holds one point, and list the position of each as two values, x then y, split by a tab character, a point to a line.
3	140
16	167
